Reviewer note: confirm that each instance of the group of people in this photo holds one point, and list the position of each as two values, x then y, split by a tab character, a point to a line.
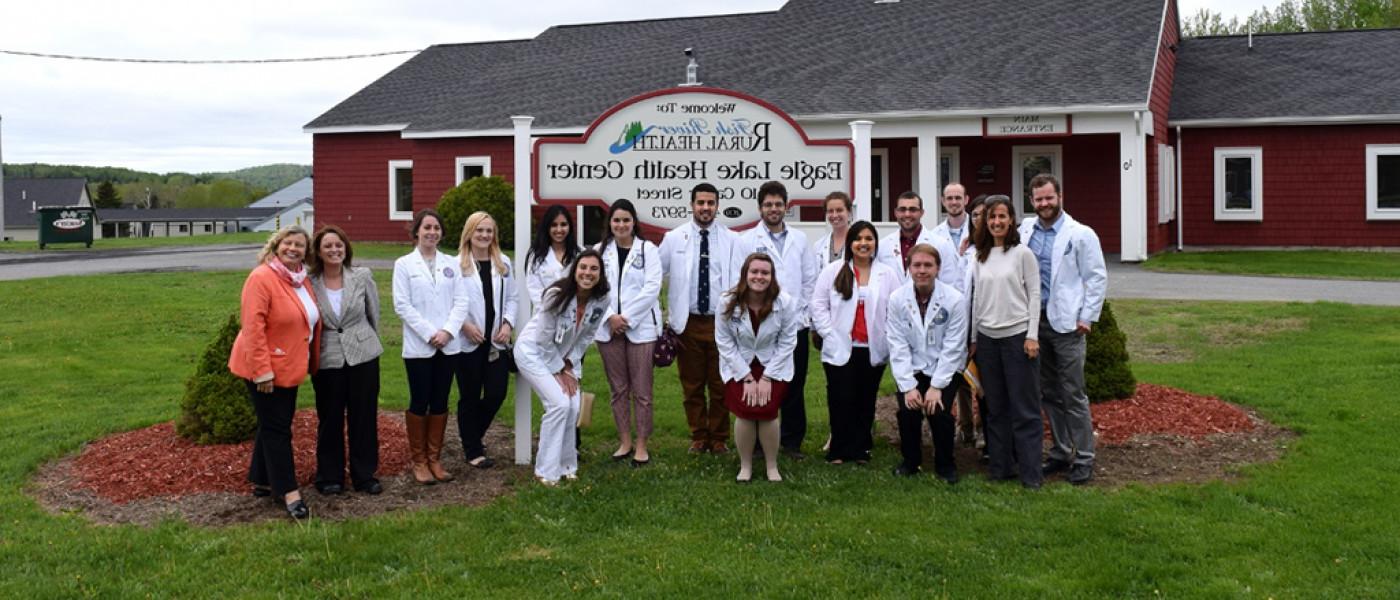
744	309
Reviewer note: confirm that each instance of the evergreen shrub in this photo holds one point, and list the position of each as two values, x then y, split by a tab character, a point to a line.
215	408
489	194
1107	375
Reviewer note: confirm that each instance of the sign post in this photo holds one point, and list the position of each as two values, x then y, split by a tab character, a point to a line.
522	248
653	148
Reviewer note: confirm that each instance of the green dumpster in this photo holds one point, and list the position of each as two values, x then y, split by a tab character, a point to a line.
66	225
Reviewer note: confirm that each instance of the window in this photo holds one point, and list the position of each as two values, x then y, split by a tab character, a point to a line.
1026	163
1239	184
400	190
1383	182
1166	183
470	167
948	167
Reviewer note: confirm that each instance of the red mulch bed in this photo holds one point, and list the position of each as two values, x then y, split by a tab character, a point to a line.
155	462
1157	409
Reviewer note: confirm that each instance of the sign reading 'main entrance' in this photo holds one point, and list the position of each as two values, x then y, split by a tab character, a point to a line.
652	149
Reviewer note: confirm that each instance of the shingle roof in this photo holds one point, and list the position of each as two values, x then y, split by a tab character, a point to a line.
299	190
22	193
812	57
1320	74
184	214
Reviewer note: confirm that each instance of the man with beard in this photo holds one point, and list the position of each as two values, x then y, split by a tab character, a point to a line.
797	267
697	267
1073	283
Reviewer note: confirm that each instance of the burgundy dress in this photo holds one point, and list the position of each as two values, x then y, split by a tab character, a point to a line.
734	391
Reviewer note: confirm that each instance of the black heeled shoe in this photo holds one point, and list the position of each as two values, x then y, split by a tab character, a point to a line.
297	510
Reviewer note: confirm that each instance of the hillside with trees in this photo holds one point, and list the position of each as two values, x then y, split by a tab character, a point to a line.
1298	15
119	185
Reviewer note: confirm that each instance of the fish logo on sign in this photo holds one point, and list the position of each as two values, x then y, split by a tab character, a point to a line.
629	137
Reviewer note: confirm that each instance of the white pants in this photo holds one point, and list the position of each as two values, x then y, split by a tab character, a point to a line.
556	456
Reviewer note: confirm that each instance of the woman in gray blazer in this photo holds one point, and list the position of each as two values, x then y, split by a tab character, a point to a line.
347	383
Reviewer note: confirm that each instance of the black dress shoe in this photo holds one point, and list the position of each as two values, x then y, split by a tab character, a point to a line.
621	457
372	488
1053	466
902	470
1031	485
298	510
1081	474
482	462
641	463
949	478
331	489
793	453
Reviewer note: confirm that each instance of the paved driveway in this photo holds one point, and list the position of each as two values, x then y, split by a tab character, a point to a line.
1124	281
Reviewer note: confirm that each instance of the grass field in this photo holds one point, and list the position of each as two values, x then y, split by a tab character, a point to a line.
85	357
1330	264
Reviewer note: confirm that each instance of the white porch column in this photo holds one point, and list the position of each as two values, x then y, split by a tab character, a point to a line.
860	138
929	179
1132	159
523	200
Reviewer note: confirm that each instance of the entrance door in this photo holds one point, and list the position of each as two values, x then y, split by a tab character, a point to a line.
1026	163
879	185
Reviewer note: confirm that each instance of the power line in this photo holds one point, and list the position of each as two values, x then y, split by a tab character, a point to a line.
170	61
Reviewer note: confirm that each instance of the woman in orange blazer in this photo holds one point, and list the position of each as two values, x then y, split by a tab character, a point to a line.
276	348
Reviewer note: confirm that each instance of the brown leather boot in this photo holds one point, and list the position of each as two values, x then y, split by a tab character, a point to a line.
437	427
417	427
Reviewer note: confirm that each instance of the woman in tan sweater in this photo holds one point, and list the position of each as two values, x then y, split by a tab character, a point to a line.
1005	324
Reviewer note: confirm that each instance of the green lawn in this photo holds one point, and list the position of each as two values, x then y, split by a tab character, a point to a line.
1330	264
84	357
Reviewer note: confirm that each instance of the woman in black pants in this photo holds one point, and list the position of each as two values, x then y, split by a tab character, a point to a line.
482	376
347	383
848	311
1005	319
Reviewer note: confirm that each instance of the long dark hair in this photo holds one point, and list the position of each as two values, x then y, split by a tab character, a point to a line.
543	244
314	255
846	278
623	204
567	287
984	239
739	294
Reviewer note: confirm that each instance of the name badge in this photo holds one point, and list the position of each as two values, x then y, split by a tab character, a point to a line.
940	316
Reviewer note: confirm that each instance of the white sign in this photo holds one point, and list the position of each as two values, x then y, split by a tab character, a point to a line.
652	149
1026	126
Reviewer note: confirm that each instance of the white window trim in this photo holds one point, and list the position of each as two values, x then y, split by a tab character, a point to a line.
877	212
1256	212
1166	183
397	215
1374	212
482	161
1018	187
954	156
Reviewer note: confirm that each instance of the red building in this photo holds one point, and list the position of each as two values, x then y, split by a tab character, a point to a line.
1105	94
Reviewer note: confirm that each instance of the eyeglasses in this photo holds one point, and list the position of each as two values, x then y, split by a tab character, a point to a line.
907	209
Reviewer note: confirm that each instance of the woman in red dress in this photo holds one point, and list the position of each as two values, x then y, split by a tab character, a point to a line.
756	334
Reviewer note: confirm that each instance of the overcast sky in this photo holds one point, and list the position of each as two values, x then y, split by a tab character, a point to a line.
201	118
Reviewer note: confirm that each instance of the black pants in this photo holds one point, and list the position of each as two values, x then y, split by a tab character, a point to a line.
347	394
429	383
941	427
1014	430
793	426
272	463
481	387
850	403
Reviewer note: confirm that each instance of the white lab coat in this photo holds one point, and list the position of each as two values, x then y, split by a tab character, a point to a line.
891	255
958	264
823	246
636	291
552	336
679	260
504	301
426	300
539	277
796	266
932	344
833	316
773	345
1078	277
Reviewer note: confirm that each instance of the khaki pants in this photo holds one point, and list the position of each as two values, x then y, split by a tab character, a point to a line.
698	364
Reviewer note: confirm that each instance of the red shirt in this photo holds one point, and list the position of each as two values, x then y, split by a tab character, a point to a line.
858	332
907	243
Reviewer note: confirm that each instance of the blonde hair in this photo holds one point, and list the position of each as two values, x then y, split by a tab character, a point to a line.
270	248
464	247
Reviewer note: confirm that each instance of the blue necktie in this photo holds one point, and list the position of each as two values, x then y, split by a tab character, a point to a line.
702	303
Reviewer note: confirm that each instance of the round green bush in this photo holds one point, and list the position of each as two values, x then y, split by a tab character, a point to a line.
491	195
215	408
1107	375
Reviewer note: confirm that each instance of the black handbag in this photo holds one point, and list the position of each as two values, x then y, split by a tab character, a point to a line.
668	344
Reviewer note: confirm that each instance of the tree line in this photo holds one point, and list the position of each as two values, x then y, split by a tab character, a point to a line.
118	186
1298	15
